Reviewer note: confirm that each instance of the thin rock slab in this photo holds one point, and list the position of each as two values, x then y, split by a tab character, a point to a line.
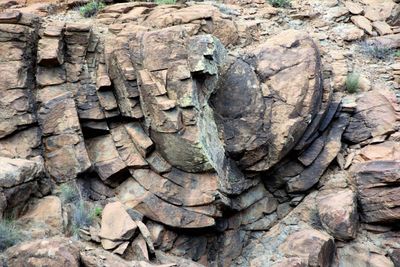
133	195
310	176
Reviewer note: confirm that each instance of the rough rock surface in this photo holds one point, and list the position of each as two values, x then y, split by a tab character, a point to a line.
337	210
200	134
377	185
44	252
116	224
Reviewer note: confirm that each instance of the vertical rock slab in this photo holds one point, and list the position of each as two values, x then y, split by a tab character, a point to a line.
51	46
17	58
311	174
65	151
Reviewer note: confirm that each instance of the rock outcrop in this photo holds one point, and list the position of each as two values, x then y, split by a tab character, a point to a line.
200	134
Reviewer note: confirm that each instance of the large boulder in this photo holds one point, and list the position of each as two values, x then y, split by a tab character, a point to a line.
265	102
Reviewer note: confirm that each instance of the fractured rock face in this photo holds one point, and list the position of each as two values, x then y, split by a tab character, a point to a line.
337	211
292	241
259	104
176	74
18	45
133	195
18	182
378	191
158	114
376	114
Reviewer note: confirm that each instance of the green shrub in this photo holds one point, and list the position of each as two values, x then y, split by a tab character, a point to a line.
352	82
97	211
9	234
397	53
69	193
91	8
81	218
279	3
165	2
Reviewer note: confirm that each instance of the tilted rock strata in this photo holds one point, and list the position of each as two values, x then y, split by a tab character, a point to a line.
155	111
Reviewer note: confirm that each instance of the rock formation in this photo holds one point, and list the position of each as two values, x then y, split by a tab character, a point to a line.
182	135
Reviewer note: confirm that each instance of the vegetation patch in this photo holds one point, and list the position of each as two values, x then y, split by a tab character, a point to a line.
91	8
165	2
69	193
82	217
280	3
97	211
9	234
352	82
375	50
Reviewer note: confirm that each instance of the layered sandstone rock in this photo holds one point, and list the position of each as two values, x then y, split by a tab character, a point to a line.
199	135
377	186
19	180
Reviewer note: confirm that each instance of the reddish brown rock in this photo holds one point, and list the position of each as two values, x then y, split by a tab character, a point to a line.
116	224
361	255
388	150
265	139
44	252
104	156
376	115
337	210
50	52
44	219
135	196
66	155
377	190
315	247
